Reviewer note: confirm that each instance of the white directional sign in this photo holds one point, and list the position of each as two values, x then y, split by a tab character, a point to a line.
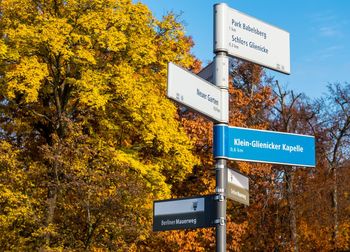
237	187
250	39
192	91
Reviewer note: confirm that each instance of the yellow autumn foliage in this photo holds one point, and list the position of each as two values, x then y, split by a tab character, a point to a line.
82	94
26	78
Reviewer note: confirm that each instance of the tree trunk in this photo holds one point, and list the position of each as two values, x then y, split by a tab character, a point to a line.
52	199
53	190
291	204
335	208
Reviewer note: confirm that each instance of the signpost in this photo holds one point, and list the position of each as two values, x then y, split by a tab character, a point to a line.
196	93
264	146
194	212
244	37
237	187
250	39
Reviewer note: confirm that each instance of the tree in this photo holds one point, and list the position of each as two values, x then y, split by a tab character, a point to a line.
82	88
336	115
286	111
307	193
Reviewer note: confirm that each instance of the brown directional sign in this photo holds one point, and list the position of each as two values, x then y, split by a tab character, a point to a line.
193	212
237	187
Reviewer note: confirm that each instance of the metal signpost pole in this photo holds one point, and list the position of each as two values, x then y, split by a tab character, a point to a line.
241	36
221	171
220	80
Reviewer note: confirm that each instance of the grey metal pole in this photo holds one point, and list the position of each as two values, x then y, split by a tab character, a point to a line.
221	172
220	80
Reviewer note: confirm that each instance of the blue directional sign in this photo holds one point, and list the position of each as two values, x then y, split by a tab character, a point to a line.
264	146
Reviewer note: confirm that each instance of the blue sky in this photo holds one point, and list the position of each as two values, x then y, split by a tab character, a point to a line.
319	35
